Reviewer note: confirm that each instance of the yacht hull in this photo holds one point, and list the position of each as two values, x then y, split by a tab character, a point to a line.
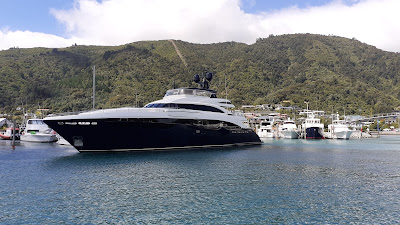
148	134
5	137
265	134
289	134
41	138
8	134
343	134
314	133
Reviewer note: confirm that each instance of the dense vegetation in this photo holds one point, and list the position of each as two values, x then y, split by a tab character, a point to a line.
331	73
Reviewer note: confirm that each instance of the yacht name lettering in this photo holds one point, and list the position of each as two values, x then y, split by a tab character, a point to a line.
239	131
77	123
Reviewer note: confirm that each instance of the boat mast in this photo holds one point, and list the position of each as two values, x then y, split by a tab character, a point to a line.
94	85
226	91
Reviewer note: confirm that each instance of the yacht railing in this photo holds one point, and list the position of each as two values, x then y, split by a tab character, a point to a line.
68	113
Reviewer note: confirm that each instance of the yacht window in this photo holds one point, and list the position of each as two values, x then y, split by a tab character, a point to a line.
185	106
201	93
172	92
171	105
190	91
36	122
199	107
158	105
187	91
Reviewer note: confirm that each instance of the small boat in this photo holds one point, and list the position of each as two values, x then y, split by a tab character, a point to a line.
339	129
37	131
266	128
288	129
7	134
312	127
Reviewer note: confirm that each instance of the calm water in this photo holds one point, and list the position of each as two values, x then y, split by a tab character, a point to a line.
279	182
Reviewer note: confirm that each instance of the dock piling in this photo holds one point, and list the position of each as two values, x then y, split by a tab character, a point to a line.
13	135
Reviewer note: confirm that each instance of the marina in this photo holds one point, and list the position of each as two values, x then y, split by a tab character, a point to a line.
269	124
282	181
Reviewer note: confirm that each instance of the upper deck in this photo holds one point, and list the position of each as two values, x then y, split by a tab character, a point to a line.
192	92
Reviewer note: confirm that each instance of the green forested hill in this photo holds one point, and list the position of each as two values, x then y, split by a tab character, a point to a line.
332	73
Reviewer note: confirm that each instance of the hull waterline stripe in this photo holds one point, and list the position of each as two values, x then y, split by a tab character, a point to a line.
173	148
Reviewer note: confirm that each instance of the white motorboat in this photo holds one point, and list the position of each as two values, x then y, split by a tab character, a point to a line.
266	128
288	129
37	131
338	129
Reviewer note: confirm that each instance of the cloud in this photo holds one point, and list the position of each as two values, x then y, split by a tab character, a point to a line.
115	22
121	21
28	39
370	21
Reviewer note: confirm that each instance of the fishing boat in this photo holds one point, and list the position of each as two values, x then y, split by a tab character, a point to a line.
312	127
184	118
37	131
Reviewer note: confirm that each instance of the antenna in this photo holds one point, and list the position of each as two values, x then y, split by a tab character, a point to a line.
94	85
226	91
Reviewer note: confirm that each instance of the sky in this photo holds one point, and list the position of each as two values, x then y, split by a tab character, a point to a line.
62	23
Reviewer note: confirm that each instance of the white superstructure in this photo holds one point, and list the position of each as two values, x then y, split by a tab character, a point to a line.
288	129
338	129
312	128
266	128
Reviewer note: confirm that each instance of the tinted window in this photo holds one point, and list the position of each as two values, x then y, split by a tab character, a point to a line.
36	122
199	107
185	106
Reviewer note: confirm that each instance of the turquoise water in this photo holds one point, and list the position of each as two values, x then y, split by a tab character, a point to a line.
279	182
